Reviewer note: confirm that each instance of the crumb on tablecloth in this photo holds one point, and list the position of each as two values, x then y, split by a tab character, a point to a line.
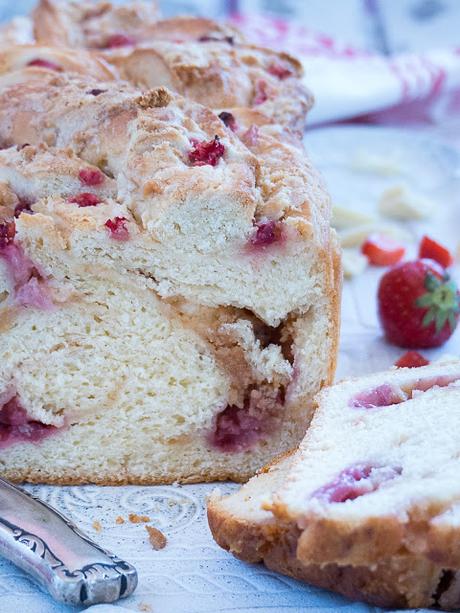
157	539
145	607
119	520
97	526
134	518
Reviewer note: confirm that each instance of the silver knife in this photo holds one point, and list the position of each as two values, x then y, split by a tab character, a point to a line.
53	551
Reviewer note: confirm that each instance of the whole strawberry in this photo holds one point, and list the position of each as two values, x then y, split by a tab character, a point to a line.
419	304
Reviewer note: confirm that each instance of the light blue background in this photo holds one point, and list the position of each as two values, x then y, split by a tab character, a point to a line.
208	8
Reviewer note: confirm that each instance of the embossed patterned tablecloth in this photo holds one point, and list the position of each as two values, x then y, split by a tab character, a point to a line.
192	574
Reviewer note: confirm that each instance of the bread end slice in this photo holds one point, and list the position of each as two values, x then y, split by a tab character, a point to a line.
240	525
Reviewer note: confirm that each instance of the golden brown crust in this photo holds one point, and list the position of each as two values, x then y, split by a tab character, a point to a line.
40	171
404	581
185	29
203	60
74	23
155	98
276	460
335	297
325	541
290	186
86	24
441	545
15	57
222	76
31	476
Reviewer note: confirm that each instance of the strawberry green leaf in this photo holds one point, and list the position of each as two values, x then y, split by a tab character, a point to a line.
441	301
424	301
428	318
441	320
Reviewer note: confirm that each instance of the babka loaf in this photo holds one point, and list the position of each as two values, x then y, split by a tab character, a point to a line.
169	290
201	59
369	504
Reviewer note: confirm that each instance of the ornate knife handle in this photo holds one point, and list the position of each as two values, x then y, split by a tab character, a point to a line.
52	550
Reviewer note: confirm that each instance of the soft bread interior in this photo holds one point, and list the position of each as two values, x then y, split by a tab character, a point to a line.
227	365
378	465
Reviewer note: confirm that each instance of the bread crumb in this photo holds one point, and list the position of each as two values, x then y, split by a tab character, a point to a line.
143	606
138	519
157	539
97	526
119	520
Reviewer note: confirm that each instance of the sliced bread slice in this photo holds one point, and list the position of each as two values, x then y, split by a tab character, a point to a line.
240	525
377	473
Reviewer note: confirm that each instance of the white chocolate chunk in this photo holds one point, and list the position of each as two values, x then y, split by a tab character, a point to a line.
400	202
353	262
344	217
355	237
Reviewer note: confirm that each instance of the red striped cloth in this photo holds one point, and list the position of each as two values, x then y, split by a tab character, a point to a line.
348	82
